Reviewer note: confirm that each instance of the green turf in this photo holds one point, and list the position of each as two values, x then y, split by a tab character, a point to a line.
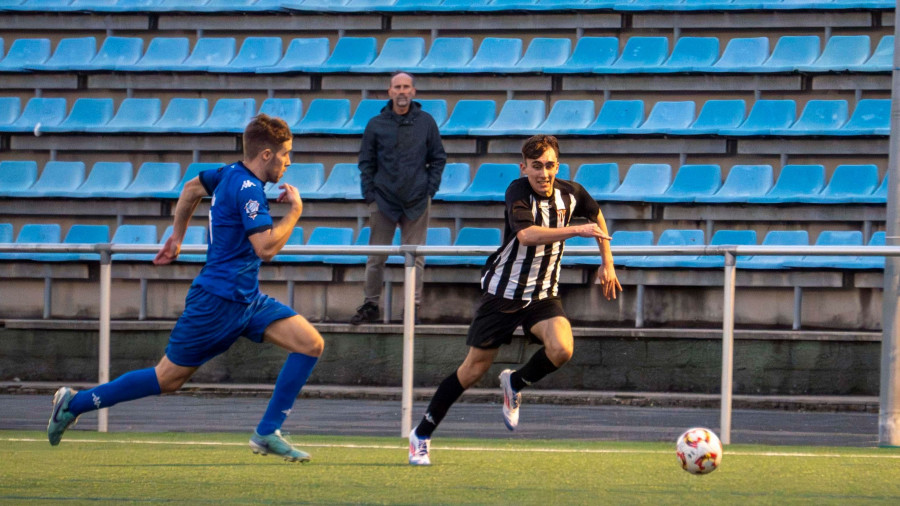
163	468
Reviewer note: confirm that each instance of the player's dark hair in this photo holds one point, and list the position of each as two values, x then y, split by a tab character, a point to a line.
535	146
265	132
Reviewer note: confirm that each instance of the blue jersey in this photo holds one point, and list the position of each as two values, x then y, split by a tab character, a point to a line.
239	209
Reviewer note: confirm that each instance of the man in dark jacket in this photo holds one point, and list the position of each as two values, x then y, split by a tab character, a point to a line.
401	160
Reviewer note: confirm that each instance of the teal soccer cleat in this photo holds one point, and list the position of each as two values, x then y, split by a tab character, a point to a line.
277	445
60	418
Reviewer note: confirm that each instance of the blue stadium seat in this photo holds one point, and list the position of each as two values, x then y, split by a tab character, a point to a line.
790	53
665	117
10	108
349	52
104	178
598	178
367	109
255	52
765	116
437	108
614	116
841	52
542	52
742	183
489	184
2	47
742	54
327	236
342	183
630	238
85	113
414	5
190	172
115	51
672	237
362	239
847	184
872	262
242	5
589	53
161	52
296	239
6	232
516	117
882	58
564	172
24	54
134	234
872	116
720	238
819	117
690	54
151	178
133	115
830	238
434	236
58	179
207	51
447	53
493	53
716	115
582	242
641	180
34	233
288	109
16	176
69	54
638	53
879	196
306	177
39	112
301	55
691	181
795	183
775	238
77	234
469	114
193	235
398	53
568	116
454	179
181	113
228	115
323	113
469	236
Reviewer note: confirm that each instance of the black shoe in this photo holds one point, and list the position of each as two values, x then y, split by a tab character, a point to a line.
367	313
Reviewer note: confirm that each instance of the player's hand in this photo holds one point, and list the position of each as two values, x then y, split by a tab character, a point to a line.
609	282
168	253
592	230
290	194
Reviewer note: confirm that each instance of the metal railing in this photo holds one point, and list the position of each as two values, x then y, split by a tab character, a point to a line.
410	253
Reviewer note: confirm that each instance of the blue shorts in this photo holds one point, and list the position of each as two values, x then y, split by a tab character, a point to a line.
211	324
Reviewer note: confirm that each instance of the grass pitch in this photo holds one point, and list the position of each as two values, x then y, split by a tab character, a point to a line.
219	468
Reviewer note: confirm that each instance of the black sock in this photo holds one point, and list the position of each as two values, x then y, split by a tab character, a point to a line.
449	390
536	368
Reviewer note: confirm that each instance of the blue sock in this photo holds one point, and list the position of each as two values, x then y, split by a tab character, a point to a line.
291	379
127	387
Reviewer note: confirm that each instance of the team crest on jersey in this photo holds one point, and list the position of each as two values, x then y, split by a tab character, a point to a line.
251	208
560	215
247	184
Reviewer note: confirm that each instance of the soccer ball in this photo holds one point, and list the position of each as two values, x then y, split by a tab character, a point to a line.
699	451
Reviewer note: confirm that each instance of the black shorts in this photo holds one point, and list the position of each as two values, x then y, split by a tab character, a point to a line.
497	318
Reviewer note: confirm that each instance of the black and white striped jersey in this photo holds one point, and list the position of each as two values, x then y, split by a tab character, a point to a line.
527	273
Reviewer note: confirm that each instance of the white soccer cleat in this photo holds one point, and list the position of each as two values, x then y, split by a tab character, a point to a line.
511	401
419	450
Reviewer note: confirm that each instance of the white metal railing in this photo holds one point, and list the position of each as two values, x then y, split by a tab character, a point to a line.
411	252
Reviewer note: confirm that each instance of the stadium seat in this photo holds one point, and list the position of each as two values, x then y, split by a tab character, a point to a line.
190	172
77	234
775	238
819	117
6	232
841	52
228	115
872	262
362	239
85	113
446	53
567	116
742	183
161	52
882	58
690	54
301	55
741	54
589	53
58	179
398	53
104	178
25	54
437	108
639	53
17	176
348	52
194	235
115	51
288	109
790	53
581	242
598	178
542	52
489	184
70	53
831	238
469	236
517	117
133	115
342	183
323	113
10	108
795	183
641	181
493	53
151	178
207	51
181	113
434	236
134	234
614	116
454	179
255	52
306	177
627	238
469	114
765	116
879	196
38	113
296	239
720	238
665	117
672	238
327	236
872	116
716	115
847	184
34	233
240	5
691	181
367	109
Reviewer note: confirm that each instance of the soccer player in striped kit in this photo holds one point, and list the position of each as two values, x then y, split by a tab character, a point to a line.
520	287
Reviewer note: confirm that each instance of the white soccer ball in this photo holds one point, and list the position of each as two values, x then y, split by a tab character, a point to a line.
699	451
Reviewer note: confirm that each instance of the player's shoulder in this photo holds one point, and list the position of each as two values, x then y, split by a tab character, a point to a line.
567	185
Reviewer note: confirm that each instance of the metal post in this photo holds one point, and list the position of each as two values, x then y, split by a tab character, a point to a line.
48	296
387	315
798	307
142	312
103	352
727	348
639	307
409	320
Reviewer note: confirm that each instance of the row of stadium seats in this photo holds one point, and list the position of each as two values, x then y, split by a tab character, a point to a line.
599	55
644	182
469	117
206	6
470	236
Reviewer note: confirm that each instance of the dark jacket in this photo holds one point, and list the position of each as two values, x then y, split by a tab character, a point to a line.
401	160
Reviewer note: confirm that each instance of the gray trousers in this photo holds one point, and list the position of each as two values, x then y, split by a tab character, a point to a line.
412	232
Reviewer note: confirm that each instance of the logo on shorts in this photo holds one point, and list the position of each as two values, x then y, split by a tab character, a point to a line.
247	184
251	208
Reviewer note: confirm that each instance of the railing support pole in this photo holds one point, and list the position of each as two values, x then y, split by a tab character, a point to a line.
727	348
409	320
103	352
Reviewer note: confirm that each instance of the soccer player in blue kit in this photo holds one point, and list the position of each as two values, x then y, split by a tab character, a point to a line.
224	301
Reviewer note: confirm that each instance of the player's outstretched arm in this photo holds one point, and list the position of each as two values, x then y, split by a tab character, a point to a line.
190	197
268	243
606	274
